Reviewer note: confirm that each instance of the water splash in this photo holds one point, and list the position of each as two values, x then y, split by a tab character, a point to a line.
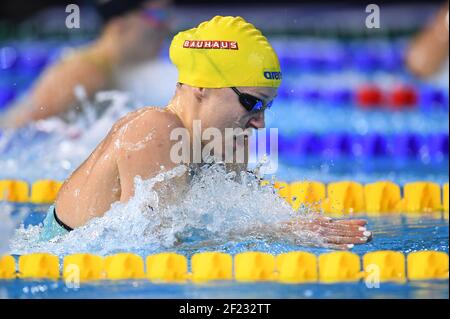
216	208
8	223
58	147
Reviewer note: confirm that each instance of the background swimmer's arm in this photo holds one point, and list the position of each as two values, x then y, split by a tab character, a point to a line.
54	91
429	49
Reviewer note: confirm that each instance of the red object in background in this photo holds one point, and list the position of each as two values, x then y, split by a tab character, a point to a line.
403	97
369	96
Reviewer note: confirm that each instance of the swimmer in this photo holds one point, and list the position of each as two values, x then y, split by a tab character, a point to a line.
228	74
428	52
133	33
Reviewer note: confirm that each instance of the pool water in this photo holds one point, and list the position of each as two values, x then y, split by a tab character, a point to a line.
400	232
224	290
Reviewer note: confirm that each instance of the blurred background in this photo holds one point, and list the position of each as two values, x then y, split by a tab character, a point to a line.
355	103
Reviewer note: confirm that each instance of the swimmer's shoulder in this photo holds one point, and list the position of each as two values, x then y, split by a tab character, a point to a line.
148	125
152	115
156	118
158	114
135	117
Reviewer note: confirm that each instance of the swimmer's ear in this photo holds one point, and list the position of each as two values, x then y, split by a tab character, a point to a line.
200	93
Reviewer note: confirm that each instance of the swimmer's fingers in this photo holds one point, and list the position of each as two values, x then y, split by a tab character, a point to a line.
337	226
356	222
325	231
346	240
333	232
329	220
348	230
330	228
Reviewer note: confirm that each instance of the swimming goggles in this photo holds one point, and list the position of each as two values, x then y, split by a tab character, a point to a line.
252	103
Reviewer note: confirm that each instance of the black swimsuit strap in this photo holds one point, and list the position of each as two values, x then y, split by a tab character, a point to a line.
60	223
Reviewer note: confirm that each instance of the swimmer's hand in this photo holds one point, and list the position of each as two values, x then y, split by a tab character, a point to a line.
336	234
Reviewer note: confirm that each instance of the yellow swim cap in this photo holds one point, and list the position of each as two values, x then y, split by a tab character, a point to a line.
225	52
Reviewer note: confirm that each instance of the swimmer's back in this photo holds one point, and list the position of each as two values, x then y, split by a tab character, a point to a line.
137	141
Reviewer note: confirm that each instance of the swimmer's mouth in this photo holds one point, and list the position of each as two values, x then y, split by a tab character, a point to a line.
249	127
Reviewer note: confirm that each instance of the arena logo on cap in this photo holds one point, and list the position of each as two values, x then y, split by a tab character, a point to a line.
272	75
210	44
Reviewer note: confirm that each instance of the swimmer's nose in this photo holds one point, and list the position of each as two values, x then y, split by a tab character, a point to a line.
257	121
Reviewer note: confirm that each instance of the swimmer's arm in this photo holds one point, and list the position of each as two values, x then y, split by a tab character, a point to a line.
142	156
319	231
54	91
429	49
334	233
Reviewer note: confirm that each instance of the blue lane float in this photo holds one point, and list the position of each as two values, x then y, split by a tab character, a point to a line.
374	145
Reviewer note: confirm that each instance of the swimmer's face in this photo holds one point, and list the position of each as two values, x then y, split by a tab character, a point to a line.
225	110
222	109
